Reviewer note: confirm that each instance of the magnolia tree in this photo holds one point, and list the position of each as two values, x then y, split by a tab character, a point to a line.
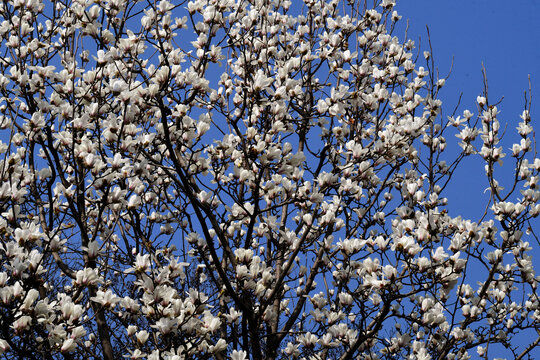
256	179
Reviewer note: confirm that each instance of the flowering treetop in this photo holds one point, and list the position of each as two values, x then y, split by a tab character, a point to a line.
248	180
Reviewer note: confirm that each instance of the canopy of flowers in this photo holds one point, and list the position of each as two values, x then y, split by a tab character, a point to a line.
249	179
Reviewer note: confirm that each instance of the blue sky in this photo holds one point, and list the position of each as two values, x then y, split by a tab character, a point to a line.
505	37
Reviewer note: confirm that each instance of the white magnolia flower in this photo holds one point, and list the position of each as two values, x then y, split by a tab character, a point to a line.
238	355
68	346
106	298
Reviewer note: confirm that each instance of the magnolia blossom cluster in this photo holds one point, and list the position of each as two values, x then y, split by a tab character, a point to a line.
262	179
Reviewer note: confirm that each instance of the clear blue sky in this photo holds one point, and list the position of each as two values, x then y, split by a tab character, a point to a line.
504	36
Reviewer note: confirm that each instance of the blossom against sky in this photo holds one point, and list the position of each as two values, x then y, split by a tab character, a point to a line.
504	37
